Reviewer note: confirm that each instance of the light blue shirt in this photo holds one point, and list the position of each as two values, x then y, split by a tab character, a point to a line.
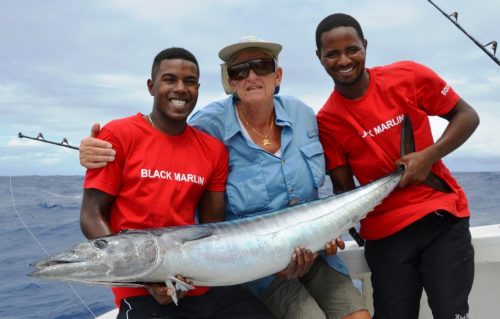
260	182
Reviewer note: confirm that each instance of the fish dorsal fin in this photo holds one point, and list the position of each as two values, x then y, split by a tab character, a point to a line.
408	146
407	138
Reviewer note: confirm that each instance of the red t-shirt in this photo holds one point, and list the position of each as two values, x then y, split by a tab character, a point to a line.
157	180
365	135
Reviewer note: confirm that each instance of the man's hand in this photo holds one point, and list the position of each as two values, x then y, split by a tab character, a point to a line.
332	247
417	165
302	261
163	294
95	153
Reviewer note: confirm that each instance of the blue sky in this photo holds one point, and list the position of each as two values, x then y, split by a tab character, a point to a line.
66	64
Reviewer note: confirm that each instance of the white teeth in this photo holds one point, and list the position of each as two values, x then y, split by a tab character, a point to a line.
178	102
346	71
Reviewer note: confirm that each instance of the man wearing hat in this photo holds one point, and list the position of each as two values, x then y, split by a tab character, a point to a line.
275	161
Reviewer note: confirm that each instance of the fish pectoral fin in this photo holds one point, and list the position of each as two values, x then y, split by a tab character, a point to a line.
188	234
171	286
179	286
407	145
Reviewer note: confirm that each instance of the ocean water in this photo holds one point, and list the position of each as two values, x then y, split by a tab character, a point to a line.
49	208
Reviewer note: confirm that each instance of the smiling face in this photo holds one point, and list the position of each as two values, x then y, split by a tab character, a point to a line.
175	89
343	55
255	89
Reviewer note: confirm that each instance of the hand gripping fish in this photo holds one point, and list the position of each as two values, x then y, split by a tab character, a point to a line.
217	254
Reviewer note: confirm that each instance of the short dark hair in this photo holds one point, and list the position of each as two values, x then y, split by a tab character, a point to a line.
334	21
170	54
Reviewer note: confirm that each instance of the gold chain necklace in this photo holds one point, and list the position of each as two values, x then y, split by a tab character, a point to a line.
151	120
265	138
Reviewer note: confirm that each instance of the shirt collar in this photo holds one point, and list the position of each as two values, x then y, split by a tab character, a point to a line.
231	121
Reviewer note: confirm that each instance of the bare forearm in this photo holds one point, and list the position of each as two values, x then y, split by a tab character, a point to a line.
463	121
94	227
94	214
342	179
211	207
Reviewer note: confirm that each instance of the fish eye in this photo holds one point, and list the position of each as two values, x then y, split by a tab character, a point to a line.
100	243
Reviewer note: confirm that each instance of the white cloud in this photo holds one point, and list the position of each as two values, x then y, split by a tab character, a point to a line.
158	10
23	142
116	80
60	80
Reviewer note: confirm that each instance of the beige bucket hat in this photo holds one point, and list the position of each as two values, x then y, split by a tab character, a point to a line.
245	43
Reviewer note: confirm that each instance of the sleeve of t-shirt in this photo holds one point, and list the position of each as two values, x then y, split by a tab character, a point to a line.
218	180
434	95
107	178
208	121
333	157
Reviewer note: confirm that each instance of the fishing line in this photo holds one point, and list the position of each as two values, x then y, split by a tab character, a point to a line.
41	246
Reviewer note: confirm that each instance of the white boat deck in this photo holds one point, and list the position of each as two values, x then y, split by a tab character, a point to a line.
484	300
485	296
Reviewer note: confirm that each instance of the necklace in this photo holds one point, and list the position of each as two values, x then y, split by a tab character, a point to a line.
265	138
151	120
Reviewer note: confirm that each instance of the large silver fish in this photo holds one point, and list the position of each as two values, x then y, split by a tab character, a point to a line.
220	254
216	254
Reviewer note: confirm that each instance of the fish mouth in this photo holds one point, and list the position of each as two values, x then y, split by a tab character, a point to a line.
55	268
41	274
51	262
66	260
109	260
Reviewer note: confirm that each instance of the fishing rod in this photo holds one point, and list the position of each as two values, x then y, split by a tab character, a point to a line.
481	46
40	138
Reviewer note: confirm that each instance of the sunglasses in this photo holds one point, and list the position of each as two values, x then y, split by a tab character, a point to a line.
240	71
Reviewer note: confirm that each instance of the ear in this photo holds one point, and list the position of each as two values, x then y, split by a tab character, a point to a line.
232	84
278	76
365	43
318	54
151	87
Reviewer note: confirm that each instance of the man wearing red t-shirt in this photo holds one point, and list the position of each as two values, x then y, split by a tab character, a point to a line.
418	237
163	171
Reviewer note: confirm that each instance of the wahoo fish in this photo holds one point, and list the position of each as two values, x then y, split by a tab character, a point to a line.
215	254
